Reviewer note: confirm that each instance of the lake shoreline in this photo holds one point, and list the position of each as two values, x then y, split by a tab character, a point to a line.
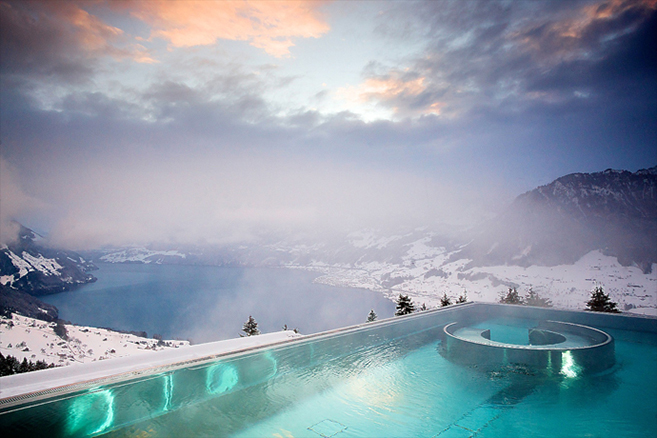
210	303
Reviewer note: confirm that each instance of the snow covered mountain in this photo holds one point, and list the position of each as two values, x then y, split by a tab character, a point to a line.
614	212
561	240
29	266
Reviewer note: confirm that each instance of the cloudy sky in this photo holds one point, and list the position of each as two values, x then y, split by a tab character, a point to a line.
200	121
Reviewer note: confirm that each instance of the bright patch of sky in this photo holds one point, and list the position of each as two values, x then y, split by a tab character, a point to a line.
318	74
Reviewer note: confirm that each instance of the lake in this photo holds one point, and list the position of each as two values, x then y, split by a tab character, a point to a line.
209	303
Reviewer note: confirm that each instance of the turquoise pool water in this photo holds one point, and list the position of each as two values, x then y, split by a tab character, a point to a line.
388	380
508	331
420	394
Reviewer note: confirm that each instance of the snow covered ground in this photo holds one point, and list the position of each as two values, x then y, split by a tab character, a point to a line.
135	361
426	274
141	255
415	264
24	337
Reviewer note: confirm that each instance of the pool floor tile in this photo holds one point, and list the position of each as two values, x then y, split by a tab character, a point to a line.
455	431
327	428
478	418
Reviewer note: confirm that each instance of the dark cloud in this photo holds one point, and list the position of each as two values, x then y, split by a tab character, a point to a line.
35	43
59	41
569	85
494	53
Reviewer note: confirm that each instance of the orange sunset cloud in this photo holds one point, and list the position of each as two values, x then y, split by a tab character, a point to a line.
391	91
267	25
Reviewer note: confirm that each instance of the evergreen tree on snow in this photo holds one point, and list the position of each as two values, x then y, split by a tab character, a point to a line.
250	327
10	365
600	302
445	300
404	305
511	297
423	307
463	298
371	317
534	299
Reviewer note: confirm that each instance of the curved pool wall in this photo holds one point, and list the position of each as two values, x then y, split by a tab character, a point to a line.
554	346
94	399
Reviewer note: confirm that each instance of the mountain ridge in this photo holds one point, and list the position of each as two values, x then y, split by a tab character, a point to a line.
29	266
561	239
611	211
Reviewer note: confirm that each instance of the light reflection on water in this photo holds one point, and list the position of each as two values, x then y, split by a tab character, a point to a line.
91	414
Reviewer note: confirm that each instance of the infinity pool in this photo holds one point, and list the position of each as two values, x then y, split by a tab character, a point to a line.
382	379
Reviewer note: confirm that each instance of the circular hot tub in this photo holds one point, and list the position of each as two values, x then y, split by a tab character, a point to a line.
562	347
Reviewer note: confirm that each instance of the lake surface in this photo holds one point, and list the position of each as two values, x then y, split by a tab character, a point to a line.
209	303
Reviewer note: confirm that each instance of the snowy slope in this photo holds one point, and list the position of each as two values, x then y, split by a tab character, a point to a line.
427	276
30	338
27	265
561	239
143	255
425	266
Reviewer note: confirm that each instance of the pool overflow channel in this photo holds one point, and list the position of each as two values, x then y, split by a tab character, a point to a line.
104	405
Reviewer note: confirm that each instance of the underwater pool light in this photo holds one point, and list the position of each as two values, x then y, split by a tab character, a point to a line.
221	378
569	367
91	414
168	392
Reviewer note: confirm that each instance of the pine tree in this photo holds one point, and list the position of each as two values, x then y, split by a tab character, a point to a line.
10	365
250	327
600	302
511	297
445	300
371	317
463	298
534	299
404	305
423	307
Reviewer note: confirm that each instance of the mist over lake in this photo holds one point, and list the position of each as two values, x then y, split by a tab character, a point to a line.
207	303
